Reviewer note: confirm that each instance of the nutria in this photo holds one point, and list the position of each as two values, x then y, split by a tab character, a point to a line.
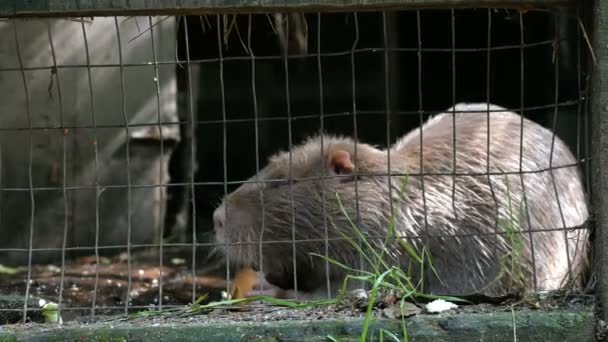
462	220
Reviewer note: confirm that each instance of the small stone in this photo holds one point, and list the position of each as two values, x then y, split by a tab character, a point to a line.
389	300
359	298
178	261
397	311
359	295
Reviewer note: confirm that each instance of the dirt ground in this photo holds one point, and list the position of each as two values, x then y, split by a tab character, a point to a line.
106	285
111	276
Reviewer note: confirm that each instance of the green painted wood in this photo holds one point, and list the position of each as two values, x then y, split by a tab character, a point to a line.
45	8
559	326
599	143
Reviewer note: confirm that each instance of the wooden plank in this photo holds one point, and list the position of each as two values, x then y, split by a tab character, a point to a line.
499	326
599	145
77	8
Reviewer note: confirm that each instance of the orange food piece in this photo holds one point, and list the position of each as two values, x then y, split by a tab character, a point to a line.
243	283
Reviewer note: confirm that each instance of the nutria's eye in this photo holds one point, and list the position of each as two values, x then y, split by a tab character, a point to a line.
346	178
276	183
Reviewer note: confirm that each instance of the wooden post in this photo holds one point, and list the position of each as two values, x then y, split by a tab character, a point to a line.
599	146
87	8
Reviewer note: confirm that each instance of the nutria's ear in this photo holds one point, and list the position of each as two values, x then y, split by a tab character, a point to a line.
340	162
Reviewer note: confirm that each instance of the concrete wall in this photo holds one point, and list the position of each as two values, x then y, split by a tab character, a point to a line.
62	110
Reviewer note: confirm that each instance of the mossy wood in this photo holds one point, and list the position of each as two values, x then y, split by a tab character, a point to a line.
559	325
88	8
598	18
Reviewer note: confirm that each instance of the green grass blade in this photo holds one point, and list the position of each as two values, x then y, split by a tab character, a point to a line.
389	334
339	264
361	236
371	302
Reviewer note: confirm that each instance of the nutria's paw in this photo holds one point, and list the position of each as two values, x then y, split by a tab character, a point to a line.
249	283
267	289
243	283
267	292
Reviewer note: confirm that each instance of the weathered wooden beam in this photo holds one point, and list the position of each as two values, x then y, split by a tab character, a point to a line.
88	8
505	326
599	145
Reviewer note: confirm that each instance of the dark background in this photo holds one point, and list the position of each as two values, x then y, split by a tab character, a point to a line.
443	82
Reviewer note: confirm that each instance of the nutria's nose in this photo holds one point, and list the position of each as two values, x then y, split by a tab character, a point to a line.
219	218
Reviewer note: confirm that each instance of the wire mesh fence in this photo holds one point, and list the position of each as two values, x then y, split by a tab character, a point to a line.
140	162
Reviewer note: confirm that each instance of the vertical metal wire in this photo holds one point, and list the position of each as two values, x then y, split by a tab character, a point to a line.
30	176
578	92
582	93
256	120
96	153
257	152
356	133
421	118
579	117
128	158
161	167
192	156
387	104
454	154
521	143
1	183
55	72
323	165
585	112
290	175
453	15
582	100
554	129
489	133
579	95
224	143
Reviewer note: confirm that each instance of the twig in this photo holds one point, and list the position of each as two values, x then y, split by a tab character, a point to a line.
580	23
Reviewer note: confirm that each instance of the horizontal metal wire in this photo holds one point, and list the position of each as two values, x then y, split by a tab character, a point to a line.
277	58
257	116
